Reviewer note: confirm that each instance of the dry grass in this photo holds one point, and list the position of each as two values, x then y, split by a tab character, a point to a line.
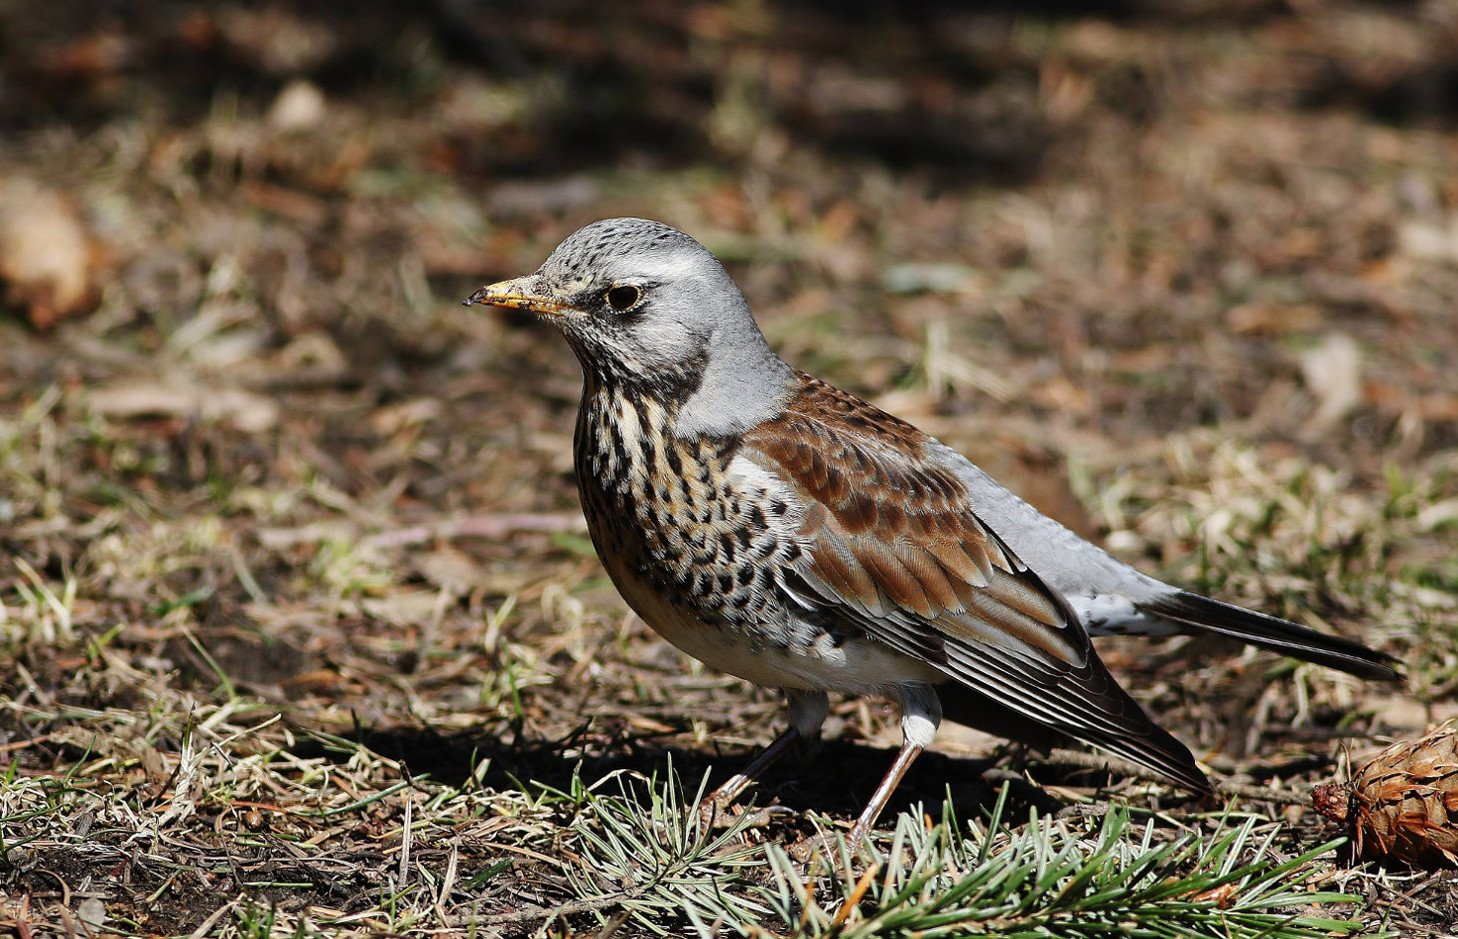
302	632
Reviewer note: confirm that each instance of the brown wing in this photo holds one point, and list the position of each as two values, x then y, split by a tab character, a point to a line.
896	548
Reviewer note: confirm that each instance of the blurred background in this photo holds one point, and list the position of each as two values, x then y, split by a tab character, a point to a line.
1182	272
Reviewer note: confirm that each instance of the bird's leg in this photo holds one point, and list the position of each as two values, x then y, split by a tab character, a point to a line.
921	714
741	780
873	808
807	712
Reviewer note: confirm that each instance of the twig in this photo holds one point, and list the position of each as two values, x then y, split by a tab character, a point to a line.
1113	764
1266	793
478	526
405	841
1101	762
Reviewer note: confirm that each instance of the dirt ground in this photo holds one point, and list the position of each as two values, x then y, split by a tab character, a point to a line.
288	538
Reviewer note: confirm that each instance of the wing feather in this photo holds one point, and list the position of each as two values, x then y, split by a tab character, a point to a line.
893	544
960	565
934	579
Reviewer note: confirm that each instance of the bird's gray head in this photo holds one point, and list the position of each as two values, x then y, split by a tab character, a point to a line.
648	309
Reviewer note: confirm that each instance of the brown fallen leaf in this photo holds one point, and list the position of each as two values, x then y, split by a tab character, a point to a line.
177	397
45	257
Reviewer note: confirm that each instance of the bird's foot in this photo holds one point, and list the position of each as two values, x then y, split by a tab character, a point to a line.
716	813
803	852
824	844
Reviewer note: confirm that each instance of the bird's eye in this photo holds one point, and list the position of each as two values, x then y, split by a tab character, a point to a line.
624	297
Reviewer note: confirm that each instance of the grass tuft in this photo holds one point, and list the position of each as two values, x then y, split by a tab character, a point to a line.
1068	878
658	862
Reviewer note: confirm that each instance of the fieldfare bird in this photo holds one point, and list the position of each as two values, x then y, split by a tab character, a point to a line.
782	530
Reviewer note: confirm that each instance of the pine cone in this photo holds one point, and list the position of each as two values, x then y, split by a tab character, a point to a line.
1402	807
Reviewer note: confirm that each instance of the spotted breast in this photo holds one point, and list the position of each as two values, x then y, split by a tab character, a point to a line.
695	538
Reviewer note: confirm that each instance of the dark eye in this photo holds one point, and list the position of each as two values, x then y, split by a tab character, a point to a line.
624	297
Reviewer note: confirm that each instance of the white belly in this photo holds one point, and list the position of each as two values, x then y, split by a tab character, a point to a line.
855	666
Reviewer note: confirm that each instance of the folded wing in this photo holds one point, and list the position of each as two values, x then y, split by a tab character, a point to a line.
894	546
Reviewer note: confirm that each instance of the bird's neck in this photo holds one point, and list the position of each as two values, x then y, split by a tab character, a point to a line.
742	385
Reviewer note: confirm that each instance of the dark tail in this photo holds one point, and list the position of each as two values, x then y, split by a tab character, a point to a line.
1274	634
